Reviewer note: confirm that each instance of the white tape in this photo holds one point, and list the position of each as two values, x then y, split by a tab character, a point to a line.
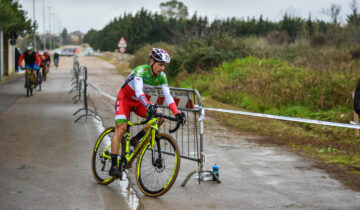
317	122
102	92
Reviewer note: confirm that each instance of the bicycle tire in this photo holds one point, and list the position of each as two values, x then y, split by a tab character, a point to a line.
168	164
100	166
39	79
44	74
27	84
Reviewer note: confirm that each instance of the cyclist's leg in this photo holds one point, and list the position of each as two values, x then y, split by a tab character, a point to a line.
122	109
33	71
141	111
27	70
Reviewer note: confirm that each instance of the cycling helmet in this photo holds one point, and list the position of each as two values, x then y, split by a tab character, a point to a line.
41	52
46	50
159	55
29	47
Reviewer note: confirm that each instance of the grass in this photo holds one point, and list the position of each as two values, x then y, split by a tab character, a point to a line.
340	155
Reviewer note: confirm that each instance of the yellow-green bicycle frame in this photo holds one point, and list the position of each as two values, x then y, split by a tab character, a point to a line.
131	155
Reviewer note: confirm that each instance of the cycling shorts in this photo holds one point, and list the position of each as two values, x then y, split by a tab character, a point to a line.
124	105
32	67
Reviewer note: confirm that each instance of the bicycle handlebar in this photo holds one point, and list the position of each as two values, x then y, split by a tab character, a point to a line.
166	117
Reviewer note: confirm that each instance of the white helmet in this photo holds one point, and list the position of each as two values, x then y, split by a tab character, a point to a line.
159	55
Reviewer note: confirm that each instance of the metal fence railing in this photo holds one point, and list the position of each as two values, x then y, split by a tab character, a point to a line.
79	87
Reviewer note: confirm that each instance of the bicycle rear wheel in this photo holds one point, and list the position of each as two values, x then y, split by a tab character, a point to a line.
101	160
155	177
39	78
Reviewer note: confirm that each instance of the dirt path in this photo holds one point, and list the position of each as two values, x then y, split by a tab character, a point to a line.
253	176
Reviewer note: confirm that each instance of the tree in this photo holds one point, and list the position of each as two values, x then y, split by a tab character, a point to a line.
64	37
174	9
13	18
354	17
334	13
310	26
292	25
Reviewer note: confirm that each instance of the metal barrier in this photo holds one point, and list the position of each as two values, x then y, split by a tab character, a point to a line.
76	79
85	94
79	83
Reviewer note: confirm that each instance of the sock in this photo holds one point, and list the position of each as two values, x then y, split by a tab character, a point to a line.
140	134
113	159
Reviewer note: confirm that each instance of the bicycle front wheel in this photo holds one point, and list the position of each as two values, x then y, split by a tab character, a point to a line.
155	176
101	159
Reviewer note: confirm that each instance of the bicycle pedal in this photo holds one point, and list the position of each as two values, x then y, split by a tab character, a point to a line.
118	177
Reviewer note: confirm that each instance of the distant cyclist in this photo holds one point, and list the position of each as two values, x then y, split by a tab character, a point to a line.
132	97
47	58
32	62
56	59
43	64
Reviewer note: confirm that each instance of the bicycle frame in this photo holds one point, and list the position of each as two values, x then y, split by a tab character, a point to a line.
131	155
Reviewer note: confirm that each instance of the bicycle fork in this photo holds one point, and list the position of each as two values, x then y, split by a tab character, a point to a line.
156	161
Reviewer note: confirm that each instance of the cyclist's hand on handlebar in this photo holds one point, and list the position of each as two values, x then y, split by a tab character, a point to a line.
151	109
181	117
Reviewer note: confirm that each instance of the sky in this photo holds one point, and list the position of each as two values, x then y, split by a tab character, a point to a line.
84	15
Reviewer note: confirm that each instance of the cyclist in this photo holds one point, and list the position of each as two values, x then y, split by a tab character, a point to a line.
132	97
43	63
32	61
56	58
47	58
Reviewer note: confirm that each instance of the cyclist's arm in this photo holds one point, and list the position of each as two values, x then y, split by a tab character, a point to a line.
140	95
169	99
21	58
38	60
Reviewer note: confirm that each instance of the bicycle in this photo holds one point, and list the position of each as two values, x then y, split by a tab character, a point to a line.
29	84
39	77
56	62
158	154
45	72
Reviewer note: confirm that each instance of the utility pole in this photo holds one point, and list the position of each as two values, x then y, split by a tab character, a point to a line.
34	21
54	31
44	36
49	27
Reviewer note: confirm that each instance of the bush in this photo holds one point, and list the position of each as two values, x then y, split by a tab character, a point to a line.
264	85
355	53
202	55
278	38
318	40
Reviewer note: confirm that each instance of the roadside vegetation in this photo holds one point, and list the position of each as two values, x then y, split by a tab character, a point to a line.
294	67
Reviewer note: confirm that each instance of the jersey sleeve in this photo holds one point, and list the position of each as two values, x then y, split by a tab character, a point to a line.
139	86
21	58
169	99
38	60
